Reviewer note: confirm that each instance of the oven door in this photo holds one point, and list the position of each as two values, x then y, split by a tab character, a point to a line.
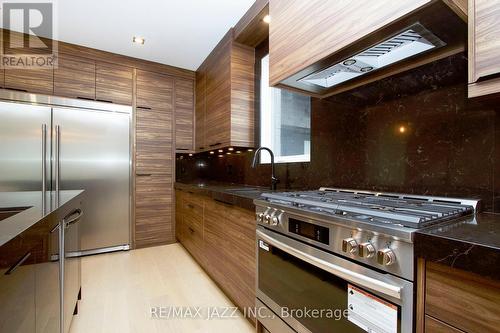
312	290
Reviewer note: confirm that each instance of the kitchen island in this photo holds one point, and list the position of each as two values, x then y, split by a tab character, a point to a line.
37	229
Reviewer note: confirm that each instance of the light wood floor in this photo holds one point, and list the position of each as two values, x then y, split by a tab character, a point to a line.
119	290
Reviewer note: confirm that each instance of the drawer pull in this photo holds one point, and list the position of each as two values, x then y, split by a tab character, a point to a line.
71	219
103	100
191	230
224	202
18	263
143	107
143	174
190	206
215	144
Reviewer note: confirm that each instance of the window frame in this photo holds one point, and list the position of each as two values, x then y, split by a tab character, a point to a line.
262	51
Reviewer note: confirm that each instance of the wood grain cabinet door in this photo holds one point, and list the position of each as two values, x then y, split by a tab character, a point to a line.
218	98
154	142
75	77
484	41
114	83
179	232
38	81
154	90
200	110
184	115
229	234
461	299
153	210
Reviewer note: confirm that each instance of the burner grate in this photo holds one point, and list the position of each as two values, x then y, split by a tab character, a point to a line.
414	212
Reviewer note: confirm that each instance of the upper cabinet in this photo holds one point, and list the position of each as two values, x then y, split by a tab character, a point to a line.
113	83
326	47
184	115
74	77
225	97
484	47
39	81
200	109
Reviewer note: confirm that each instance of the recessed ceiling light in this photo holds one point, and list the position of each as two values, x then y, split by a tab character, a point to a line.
138	40
212	152
267	19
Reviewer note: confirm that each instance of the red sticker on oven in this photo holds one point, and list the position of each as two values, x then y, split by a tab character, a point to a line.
370	312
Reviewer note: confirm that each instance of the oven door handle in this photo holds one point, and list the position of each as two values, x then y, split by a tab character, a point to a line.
341	272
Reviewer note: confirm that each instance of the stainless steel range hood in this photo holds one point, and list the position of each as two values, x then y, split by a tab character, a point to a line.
411	42
431	33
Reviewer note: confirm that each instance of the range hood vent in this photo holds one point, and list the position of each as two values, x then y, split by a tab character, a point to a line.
412	41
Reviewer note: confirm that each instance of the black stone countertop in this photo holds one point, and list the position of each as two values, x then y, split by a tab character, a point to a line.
235	194
34	206
471	244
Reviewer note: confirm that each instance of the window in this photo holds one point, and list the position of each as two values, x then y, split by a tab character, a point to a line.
285	122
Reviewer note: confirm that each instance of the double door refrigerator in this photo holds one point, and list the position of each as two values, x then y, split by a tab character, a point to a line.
49	143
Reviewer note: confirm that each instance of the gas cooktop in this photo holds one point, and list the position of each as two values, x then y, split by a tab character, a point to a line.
399	210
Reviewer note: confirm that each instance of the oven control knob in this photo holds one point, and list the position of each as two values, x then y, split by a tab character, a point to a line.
260	217
275	220
386	257
267	219
366	250
349	245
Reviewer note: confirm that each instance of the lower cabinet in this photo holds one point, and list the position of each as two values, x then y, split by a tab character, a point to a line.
221	238
456	300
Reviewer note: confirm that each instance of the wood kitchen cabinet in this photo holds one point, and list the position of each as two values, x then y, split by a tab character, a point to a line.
154	161
225	97
484	47
113	83
75	77
200	109
40	81
221	237
184	115
452	300
153	210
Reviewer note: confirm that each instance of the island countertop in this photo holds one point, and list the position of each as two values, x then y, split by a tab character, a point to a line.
32	207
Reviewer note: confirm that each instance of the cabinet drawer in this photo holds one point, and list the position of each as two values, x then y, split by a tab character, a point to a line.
461	299
74	77
39	81
433	325
114	83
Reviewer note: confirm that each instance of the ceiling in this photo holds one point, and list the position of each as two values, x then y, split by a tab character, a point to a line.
177	33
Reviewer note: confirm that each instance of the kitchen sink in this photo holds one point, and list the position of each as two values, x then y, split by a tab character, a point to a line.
11	211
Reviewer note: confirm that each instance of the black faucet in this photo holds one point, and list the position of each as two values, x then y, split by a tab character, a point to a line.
274	180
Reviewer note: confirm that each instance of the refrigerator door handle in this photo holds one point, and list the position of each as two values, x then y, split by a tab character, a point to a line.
44	159
57	156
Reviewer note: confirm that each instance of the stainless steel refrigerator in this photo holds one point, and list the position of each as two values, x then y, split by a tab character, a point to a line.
50	143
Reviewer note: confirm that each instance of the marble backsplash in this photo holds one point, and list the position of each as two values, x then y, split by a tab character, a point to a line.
414	133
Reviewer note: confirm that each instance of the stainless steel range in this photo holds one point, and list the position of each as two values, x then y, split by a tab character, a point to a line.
342	250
